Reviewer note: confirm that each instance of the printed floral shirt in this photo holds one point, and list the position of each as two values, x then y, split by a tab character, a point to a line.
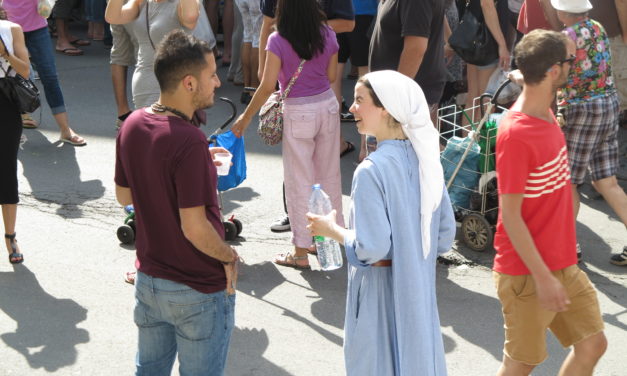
591	74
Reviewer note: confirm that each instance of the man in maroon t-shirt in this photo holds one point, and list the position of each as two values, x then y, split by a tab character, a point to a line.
185	283
535	269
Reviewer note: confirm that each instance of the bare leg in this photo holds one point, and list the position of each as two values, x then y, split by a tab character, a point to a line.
9	215
575	199
118	79
584	356
477	82
254	66
228	19
246	62
511	367
337	89
361	71
211	7
64	125
63	35
613	195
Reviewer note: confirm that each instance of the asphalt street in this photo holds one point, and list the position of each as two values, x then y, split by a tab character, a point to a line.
67	311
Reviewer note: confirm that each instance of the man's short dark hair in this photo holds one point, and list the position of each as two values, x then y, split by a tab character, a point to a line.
178	55
537	52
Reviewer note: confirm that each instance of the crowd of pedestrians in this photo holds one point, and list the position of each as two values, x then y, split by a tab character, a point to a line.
571	60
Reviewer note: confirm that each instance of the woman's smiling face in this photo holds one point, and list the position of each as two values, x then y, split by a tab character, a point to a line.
368	116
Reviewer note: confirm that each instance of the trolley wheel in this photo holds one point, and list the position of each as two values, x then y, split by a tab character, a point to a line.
477	232
131	223
238	225
230	230
126	234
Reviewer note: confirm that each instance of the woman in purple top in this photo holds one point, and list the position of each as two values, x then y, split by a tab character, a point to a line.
311	114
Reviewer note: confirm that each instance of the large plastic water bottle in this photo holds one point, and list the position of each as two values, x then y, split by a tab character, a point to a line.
329	254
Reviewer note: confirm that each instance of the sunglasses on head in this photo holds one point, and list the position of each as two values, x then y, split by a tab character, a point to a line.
569	60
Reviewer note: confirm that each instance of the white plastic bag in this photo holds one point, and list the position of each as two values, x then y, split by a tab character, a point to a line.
44	7
509	94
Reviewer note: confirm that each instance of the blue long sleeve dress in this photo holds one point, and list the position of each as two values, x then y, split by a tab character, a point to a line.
392	325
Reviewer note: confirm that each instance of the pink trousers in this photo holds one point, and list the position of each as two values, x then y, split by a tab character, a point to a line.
311	155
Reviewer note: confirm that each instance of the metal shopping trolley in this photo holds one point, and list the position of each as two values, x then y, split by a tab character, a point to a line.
468	162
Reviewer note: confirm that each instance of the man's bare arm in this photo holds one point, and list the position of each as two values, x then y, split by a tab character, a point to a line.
413	52
551	294
123	195
551	15
621	10
203	236
266	30
340	25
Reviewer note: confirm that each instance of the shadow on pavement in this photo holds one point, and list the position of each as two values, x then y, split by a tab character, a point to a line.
54	175
246	354
259	279
46	333
331	288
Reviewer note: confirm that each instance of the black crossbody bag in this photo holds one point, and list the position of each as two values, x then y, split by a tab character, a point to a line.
21	91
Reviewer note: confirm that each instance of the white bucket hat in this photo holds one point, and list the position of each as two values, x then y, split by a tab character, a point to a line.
572	6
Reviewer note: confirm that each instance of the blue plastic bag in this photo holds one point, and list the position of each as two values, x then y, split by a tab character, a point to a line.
468	176
237	173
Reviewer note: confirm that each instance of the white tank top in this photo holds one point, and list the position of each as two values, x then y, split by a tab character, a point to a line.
7	38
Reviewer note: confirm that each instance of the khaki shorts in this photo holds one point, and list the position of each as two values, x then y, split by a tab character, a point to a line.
526	322
124	50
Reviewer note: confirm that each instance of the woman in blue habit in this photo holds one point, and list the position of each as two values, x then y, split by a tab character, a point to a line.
400	220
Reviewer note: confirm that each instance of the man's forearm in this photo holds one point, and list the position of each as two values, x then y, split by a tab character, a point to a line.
521	239
340	25
266	30
206	239
551	15
411	58
621	10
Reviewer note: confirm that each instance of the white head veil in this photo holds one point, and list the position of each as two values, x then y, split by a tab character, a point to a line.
404	100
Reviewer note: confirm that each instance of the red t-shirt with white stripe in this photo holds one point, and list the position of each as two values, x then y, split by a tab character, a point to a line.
531	159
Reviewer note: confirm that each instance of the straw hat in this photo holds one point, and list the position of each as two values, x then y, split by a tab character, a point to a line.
572	6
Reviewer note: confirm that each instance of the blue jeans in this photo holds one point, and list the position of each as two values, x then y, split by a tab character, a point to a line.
42	56
172	317
95	10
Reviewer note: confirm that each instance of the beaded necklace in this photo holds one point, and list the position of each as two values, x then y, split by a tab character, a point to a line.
161	108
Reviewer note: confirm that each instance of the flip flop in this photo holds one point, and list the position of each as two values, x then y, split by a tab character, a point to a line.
70	51
129	277
349	148
289	260
75	140
80	42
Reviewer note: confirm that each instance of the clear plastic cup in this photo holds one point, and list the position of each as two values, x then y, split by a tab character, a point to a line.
225	159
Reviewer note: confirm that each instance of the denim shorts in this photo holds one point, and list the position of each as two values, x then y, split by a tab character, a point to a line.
174	318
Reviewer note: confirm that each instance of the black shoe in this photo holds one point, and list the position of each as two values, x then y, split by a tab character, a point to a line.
245	98
620	259
281	225
347	116
579	253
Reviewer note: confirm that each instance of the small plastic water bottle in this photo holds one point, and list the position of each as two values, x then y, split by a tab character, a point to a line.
329	254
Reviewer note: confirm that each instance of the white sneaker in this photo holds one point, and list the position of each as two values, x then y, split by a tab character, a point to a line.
281	225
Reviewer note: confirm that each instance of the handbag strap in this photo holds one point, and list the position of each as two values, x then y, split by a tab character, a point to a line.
293	80
6	72
148	24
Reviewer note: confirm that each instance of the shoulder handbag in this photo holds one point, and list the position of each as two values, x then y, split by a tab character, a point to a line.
21	91
472	40
271	114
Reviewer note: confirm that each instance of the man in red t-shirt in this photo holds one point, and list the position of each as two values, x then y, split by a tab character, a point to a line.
535	269
184	287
